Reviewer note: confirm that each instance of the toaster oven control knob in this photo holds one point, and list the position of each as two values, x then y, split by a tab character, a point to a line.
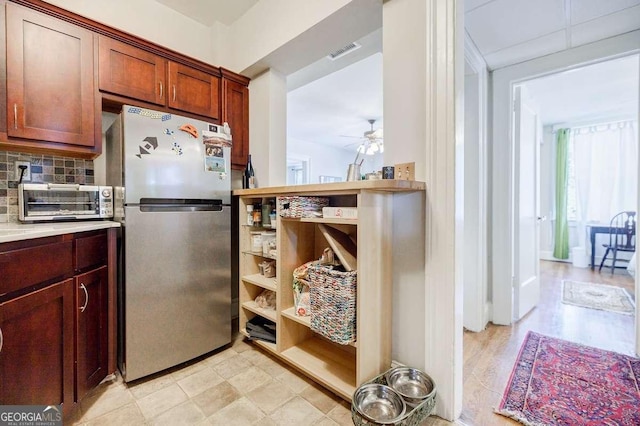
106	193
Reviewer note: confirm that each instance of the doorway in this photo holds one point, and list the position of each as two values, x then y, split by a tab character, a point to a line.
562	100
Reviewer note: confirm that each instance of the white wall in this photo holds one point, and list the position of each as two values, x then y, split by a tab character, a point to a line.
268	128
323	160
422	85
404	88
151	21
405	104
269	24
502	150
288	34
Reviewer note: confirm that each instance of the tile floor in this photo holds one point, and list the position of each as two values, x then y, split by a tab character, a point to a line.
240	385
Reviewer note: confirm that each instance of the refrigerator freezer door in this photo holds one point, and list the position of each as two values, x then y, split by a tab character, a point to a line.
177	290
163	161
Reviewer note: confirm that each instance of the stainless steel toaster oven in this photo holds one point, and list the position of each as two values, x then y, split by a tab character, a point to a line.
51	201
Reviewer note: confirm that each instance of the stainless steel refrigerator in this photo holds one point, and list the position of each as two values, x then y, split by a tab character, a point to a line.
171	177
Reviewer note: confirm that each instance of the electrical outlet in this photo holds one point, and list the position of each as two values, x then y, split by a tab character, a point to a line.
27	173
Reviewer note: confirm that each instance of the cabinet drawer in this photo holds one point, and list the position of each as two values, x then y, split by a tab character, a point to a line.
90	251
34	265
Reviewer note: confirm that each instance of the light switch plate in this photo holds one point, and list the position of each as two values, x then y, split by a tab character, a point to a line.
405	171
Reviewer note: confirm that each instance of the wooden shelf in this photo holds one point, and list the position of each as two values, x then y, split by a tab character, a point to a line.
259	254
261	281
306	321
329	221
335	369
265	313
271	347
259	228
367	239
290	313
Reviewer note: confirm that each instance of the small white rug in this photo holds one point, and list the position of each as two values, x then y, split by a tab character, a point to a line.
597	296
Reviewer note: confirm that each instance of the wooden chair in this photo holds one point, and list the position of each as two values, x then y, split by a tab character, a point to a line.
622	237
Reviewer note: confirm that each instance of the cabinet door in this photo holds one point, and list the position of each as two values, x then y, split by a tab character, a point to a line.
36	347
194	91
235	111
50	91
92	330
128	71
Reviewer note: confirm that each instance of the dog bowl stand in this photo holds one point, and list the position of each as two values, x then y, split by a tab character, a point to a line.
413	417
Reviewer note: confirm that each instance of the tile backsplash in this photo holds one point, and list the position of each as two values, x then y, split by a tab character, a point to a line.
44	168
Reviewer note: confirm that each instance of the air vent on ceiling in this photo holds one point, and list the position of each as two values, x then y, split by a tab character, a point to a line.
343	51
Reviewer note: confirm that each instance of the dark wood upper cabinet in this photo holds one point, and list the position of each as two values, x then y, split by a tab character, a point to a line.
128	71
91	329
193	91
62	68
37	352
235	111
50	79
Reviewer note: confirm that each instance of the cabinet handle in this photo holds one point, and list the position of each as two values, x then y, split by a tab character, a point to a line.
15	116
1	340
86	300
161	89
174	93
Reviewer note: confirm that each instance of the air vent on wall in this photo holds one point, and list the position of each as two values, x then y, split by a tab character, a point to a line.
343	51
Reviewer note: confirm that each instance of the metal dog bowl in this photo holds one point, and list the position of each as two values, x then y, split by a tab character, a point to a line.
379	403
412	384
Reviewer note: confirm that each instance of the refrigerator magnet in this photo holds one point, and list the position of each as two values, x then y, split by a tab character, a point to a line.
190	128
217	135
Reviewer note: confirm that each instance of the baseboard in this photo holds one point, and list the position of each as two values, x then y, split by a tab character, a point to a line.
548	255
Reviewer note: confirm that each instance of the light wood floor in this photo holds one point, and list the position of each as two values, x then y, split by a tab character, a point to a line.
489	355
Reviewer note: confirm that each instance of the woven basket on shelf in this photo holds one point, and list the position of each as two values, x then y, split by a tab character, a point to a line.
298	207
333	303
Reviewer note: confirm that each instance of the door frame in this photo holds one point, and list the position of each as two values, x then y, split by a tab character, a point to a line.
502	221
477	308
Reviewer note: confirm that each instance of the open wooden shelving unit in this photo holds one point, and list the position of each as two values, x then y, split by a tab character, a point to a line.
340	368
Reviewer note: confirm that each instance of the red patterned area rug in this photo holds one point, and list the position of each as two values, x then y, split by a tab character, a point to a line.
555	382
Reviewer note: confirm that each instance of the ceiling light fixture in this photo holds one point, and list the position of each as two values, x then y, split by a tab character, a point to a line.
373	141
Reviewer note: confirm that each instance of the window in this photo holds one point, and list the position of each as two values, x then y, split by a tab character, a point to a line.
603	171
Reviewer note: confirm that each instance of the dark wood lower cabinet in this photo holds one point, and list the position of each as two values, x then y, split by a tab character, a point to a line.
91	329
57	310
37	347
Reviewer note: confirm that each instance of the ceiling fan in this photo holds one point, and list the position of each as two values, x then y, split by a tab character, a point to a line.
373	141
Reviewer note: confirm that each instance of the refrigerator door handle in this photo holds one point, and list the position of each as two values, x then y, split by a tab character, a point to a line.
179	205
147	208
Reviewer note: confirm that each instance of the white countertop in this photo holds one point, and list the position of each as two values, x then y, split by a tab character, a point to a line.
25	231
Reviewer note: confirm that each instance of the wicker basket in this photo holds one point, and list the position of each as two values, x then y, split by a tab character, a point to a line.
297	207
333	303
413	417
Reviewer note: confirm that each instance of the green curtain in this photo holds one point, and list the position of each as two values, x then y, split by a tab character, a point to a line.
561	246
